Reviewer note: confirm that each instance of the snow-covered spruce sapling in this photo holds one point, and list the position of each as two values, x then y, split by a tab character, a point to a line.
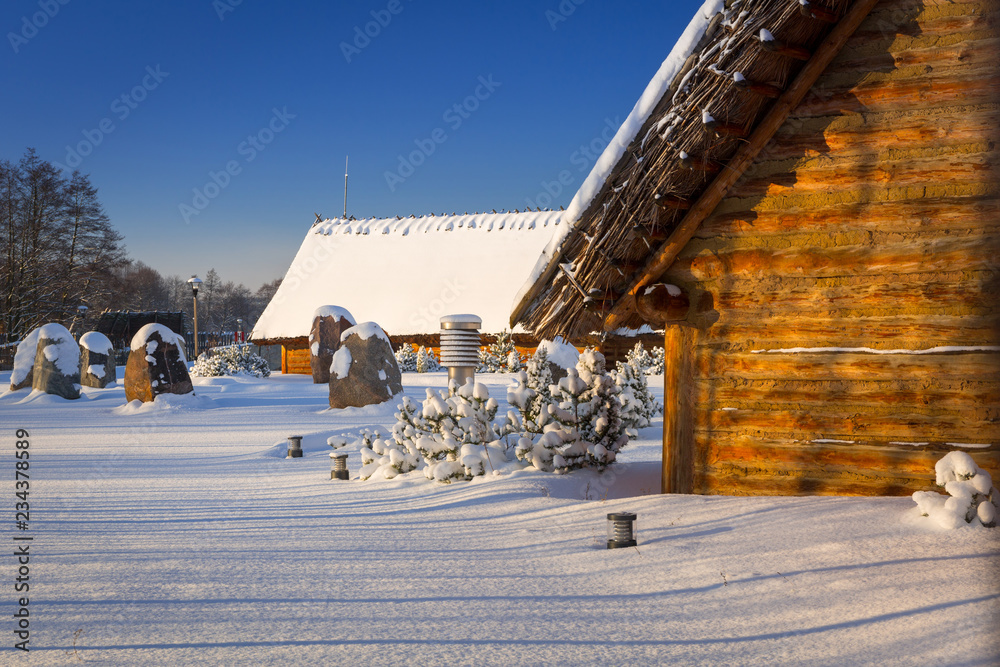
638	405
531	393
971	499
426	361
406	358
649	363
235	360
500	356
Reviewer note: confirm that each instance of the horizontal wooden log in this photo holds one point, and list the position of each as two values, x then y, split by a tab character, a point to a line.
944	367
938	216
735	481
758	88
780	48
661	303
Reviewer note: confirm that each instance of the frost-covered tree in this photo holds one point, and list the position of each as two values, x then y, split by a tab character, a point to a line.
638	405
531	392
406	358
500	356
426	362
233	360
649	363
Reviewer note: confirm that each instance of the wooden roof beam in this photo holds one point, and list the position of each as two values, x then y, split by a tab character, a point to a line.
744	157
812	11
762	89
776	46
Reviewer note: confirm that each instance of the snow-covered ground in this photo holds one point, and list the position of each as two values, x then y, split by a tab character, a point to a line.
179	534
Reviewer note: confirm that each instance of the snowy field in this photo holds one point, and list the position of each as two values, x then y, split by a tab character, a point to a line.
181	535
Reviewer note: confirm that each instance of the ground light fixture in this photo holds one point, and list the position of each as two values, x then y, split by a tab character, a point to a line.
620	530
294	447
460	346
338	466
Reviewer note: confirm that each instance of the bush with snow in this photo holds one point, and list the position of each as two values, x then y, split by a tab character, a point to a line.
450	436
648	362
639	406
406	357
500	356
971	499
426	361
531	394
233	360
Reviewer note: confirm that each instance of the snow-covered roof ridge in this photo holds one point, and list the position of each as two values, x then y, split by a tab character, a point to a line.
406	273
482	222
671	67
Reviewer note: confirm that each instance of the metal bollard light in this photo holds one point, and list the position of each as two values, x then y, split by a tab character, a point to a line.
460	346
620	533
338	467
294	447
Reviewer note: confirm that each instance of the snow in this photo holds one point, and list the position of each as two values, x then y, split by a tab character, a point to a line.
176	533
141	339
96	370
405	274
62	350
560	352
336	312
462	318
365	330
341	364
626	134
95	341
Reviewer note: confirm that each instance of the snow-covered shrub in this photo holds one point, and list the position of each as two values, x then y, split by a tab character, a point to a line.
971	498
648	362
426	361
560	353
500	356
639	407
406	357
450	436
234	360
531	394
585	428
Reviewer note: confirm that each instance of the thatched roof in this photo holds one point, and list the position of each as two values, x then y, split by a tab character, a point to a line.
755	61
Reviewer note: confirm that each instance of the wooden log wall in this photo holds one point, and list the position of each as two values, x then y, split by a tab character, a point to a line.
871	220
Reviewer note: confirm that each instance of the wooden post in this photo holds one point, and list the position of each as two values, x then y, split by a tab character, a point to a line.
678	409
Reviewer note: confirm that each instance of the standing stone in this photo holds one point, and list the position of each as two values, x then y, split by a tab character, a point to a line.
24	362
97	360
329	322
364	369
57	362
156	365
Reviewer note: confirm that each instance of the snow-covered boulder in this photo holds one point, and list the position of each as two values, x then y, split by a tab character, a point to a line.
329	322
97	360
24	361
156	365
363	370
57	362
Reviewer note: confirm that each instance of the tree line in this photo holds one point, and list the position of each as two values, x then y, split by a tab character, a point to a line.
60	251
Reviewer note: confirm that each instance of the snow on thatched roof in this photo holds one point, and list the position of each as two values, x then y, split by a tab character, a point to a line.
732	67
405	273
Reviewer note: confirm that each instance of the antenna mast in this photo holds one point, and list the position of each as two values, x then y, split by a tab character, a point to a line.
346	158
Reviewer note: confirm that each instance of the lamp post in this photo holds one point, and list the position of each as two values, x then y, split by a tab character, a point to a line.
195	283
81	312
239	325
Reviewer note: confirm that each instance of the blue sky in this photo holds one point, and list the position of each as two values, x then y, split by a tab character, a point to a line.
214	130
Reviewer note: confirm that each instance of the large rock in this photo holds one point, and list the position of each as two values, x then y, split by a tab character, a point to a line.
329	322
24	362
364	369
97	360
57	362
156	365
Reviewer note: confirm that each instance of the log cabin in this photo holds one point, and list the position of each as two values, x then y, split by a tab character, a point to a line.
806	199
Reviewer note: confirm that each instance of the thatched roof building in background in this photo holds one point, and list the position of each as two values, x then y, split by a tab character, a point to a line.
816	183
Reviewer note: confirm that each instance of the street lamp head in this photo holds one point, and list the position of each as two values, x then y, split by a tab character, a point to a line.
195	283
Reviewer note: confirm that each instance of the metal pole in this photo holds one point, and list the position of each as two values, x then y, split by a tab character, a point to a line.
195	297
346	158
